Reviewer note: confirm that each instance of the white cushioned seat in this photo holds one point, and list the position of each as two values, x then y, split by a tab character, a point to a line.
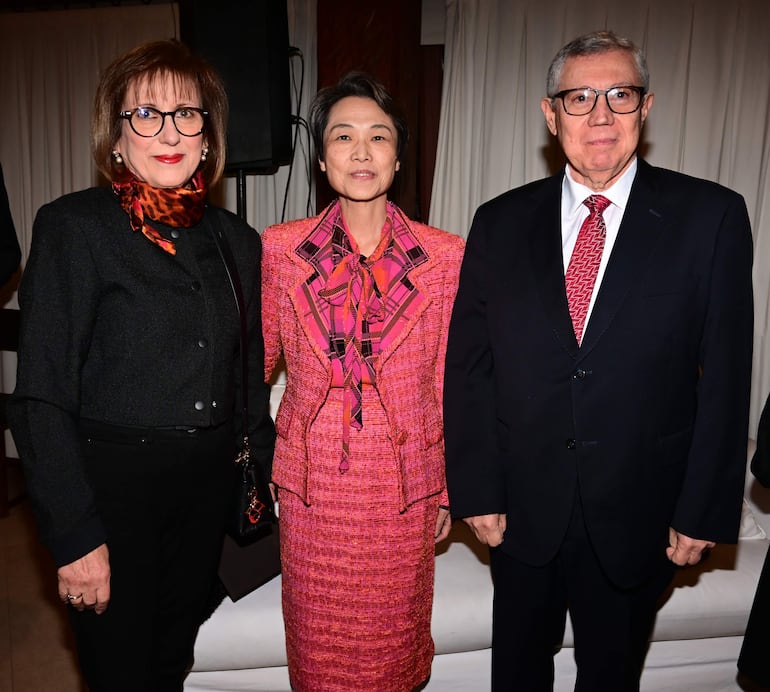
695	642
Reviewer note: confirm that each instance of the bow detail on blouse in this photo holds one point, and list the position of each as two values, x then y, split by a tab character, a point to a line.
353	286
359	304
357	300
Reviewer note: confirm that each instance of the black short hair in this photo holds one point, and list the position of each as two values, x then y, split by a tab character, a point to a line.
355	84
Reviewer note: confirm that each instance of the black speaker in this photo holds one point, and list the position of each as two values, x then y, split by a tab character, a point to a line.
248	44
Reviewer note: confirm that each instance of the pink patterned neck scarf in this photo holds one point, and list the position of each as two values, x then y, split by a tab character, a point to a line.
357	301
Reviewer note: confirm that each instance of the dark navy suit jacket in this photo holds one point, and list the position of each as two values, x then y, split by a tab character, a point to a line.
648	419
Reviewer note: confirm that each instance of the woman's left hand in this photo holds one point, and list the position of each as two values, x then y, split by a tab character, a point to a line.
443	524
85	583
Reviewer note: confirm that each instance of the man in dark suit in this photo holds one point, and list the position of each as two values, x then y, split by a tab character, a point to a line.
597	381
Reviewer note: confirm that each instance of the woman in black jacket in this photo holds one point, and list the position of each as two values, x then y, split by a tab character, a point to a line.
126	407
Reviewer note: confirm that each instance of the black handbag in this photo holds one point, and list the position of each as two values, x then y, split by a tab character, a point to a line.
251	554
253	513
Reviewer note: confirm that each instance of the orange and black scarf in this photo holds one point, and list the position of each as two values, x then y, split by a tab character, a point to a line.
179	207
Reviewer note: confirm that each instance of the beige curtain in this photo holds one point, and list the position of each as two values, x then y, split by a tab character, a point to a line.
49	68
710	70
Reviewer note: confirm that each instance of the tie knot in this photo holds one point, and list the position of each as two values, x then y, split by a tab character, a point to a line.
596	203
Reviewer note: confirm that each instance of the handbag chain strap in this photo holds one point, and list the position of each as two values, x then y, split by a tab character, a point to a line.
226	254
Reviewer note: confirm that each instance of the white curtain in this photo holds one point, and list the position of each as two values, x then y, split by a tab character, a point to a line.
710	70
50	63
49	68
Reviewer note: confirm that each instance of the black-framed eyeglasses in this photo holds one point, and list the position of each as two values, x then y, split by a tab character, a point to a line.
620	99
148	122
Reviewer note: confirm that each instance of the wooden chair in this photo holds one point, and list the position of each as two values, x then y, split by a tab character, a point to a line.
9	341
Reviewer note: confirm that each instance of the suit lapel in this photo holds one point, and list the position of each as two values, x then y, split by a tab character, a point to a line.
547	259
411	319
305	310
389	345
641	227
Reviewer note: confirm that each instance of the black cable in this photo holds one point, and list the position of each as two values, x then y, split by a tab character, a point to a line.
309	169
294	53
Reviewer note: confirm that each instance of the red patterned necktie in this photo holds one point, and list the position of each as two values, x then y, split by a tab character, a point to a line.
584	263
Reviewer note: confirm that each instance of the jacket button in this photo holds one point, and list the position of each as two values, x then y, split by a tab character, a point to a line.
199	405
578	374
175	233
401	437
202	343
195	286
570	444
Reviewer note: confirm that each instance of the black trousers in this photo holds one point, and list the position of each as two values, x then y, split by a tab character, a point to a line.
161	495
611	626
753	661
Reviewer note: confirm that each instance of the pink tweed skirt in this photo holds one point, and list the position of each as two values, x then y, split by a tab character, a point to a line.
357	574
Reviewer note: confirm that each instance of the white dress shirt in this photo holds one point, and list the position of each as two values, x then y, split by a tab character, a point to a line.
574	212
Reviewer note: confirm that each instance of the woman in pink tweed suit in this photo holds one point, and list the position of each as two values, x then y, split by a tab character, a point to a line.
358	301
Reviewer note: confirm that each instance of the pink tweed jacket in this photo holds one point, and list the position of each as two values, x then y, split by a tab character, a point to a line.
409	373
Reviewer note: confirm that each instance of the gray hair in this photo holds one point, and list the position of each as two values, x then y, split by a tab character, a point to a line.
591	44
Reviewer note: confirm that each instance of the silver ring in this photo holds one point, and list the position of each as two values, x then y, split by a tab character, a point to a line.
70	597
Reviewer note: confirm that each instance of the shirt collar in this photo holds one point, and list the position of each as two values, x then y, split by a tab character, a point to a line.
574	193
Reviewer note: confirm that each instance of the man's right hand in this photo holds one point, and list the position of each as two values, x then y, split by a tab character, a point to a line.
488	528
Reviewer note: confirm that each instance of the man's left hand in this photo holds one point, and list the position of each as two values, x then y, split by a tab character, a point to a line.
684	550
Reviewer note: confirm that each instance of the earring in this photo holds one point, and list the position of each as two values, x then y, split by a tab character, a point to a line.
204	154
118	158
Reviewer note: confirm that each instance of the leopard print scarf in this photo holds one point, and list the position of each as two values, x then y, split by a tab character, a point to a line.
179	207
